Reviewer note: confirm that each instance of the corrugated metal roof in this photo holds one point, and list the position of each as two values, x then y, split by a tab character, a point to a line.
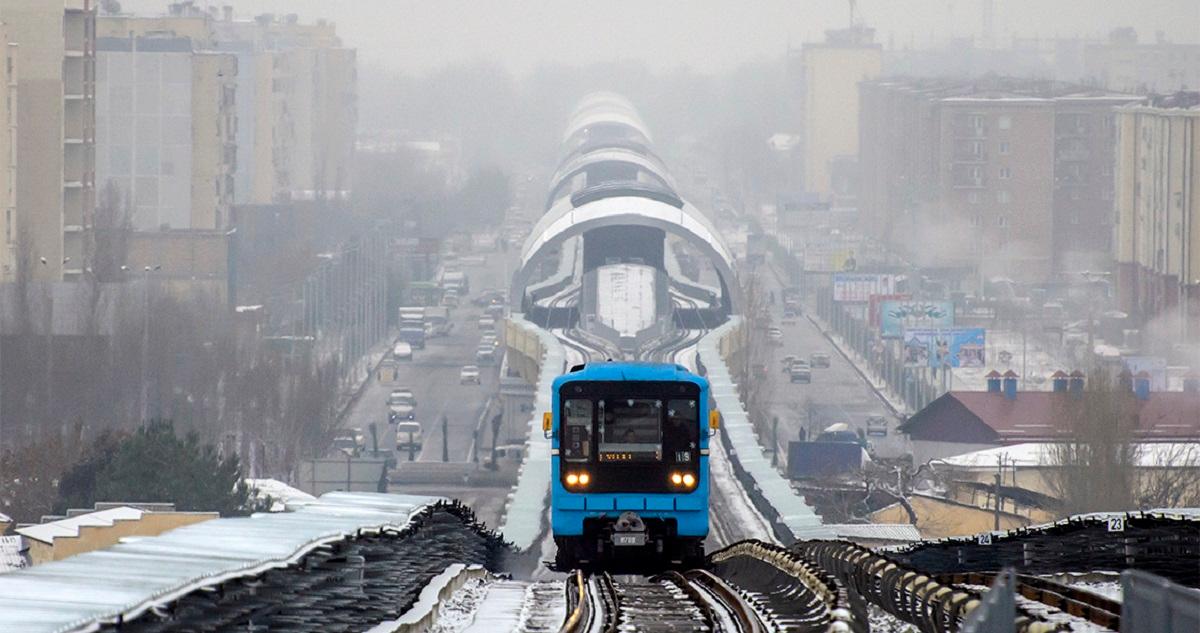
47	532
899	532
126	579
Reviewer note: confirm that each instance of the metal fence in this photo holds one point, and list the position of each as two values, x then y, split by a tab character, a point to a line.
1152	604
1161	543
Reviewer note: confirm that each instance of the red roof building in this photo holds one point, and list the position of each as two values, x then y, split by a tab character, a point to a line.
965	421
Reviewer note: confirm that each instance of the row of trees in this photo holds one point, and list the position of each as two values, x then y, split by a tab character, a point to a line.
149	464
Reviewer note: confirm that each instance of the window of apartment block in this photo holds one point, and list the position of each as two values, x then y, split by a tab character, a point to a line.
1004	122
1005	148
1003	196
8	226
1002	220
975	121
1075	195
973	197
974	220
1074	218
1005	173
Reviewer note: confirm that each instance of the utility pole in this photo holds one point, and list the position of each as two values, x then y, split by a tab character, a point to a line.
445	440
999	506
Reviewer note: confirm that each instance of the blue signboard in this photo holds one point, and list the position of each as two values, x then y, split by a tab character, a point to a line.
940	348
896	316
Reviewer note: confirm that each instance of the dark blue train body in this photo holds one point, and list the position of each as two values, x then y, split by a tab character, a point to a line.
630	472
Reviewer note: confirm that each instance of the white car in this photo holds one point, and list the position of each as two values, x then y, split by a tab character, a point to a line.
468	375
487	323
485	354
408	436
402	351
776	335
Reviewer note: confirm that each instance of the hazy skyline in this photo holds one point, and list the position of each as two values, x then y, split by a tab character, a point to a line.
707	35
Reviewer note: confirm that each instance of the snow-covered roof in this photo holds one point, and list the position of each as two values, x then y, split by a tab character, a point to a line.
281	494
898	532
139	574
69	527
1149	455
566	220
626	297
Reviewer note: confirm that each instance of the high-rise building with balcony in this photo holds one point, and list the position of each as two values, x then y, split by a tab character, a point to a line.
55	138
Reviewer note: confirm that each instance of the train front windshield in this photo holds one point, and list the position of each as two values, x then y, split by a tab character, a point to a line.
633	440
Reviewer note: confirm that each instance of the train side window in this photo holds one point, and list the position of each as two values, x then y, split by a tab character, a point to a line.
682	432
576	443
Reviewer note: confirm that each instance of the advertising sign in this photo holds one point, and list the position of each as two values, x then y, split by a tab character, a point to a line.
858	287
1156	366
824	258
877	300
895	317
940	348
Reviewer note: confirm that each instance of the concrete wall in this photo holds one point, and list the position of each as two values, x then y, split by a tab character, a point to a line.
939	519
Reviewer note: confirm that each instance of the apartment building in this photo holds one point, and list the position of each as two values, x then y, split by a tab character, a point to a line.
8	154
1125	64
998	177
830	72
55	130
1158	211
296	135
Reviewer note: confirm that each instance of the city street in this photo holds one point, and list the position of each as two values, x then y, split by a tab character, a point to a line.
433	376
836	394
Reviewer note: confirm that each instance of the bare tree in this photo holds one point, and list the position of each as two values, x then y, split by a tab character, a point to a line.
1095	468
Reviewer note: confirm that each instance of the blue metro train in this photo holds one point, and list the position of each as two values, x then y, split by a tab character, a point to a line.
629	464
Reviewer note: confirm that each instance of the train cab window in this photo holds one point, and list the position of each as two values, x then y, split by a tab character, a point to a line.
576	443
682	433
631	430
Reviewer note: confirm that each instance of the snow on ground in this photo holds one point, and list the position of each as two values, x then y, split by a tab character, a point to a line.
458	612
1036	361
628	291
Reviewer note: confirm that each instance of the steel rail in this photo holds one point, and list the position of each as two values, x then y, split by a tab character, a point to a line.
580	616
1074	601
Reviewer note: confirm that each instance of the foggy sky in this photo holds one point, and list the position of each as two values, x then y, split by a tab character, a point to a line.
706	35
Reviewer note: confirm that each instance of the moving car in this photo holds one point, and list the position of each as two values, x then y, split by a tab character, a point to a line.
468	375
877	426
402	351
487	323
799	371
348	442
818	359
775	335
408	436
401	405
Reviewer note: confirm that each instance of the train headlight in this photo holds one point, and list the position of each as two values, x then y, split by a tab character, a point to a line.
683	480
677	479
689	480
578	480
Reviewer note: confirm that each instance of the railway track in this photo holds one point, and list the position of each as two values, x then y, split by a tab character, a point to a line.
695	600
1073	601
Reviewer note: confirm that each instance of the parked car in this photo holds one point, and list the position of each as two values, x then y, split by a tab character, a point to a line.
818	359
402	351
450	299
485	353
787	361
496	311
487	323
469	375
349	441
775	335
408	436
489	339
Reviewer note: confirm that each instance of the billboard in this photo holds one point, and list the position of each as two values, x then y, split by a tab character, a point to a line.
876	300
858	287
897	316
948	347
824	258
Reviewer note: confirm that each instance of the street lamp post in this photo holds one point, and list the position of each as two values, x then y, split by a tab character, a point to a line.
145	391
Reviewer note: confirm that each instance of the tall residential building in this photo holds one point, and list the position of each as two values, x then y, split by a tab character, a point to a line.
8	155
296	135
166	124
1002	177
830	72
55	138
1158	211
1122	63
